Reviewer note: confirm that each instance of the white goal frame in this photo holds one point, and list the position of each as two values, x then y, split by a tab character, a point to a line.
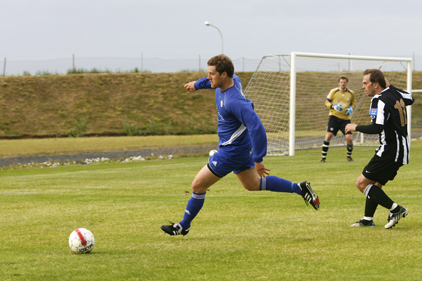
293	76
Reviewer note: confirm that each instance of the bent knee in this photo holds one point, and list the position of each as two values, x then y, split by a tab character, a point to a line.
360	185
195	185
199	186
252	186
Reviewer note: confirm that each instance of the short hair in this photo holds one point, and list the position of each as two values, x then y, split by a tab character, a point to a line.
376	76
222	63
343	77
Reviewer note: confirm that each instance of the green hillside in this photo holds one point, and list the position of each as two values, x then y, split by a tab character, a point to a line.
113	104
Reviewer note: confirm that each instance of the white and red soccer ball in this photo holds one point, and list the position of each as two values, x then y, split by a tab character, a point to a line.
81	241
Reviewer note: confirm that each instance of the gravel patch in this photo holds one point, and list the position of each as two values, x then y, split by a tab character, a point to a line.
198	149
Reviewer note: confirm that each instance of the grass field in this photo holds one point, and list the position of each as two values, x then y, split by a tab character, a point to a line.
57	146
238	235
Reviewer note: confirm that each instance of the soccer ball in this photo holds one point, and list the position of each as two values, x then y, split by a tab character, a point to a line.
212	152
81	241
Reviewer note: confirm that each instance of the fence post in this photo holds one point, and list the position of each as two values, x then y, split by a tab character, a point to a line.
4	67
73	63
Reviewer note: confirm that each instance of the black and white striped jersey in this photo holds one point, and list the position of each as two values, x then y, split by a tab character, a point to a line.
389	109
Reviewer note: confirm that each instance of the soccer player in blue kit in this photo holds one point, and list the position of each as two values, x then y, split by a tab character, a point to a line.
242	145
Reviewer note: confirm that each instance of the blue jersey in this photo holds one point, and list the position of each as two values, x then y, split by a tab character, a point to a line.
238	124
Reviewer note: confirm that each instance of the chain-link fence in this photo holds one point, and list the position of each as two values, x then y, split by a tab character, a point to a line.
75	64
108	64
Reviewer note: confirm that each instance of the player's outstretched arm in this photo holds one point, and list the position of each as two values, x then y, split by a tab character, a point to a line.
190	87
351	127
261	170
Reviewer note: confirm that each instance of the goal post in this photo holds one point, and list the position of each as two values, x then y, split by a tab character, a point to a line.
289	93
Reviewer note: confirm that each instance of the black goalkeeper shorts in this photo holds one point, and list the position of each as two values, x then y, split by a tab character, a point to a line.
335	124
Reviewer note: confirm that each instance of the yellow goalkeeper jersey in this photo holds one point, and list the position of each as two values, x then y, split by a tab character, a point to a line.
346	98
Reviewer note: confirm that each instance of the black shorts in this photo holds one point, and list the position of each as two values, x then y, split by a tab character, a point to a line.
335	124
381	170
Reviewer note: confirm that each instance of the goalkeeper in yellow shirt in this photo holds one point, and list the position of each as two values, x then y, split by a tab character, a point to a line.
341	102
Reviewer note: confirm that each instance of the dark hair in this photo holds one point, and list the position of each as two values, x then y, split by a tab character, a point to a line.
376	76
343	77
222	63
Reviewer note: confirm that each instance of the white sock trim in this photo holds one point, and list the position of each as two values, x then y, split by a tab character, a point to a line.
263	184
394	206
367	189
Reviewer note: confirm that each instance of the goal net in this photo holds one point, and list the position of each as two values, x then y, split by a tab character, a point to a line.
289	94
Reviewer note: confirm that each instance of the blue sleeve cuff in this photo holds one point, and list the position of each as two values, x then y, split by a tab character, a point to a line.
258	160
202	83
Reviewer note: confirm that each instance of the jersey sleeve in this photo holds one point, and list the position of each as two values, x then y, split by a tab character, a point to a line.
244	112
377	111
203	83
330	97
407	98
370	129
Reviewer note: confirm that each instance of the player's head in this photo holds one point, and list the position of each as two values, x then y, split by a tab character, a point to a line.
222	64
376	76
373	82
343	78
342	82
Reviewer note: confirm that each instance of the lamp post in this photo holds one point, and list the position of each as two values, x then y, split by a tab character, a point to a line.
207	23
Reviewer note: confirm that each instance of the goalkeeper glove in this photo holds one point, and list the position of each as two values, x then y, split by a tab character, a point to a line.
337	107
349	111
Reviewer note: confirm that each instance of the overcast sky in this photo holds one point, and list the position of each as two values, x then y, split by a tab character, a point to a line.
50	29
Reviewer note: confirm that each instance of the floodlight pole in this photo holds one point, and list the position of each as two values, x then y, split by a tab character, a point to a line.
207	23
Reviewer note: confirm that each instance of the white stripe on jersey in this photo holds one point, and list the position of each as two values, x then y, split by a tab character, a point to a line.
380	150
398	147
406	95
405	150
236	134
380	113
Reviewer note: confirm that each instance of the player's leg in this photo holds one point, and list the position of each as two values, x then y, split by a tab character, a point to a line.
250	180
370	207
326	146
349	141
203	180
332	129
374	192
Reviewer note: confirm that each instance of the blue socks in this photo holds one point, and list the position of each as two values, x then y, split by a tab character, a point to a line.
277	184
195	204
271	183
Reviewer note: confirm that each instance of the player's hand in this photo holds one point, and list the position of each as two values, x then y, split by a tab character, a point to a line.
337	107
261	170
350	128
190	87
349	110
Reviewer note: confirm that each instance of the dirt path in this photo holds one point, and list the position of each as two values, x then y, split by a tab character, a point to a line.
165	151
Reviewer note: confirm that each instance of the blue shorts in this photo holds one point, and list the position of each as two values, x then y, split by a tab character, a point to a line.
225	161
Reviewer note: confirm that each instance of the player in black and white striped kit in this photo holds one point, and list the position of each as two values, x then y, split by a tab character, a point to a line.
389	121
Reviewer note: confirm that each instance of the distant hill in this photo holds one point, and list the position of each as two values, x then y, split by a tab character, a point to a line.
115	104
105	104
